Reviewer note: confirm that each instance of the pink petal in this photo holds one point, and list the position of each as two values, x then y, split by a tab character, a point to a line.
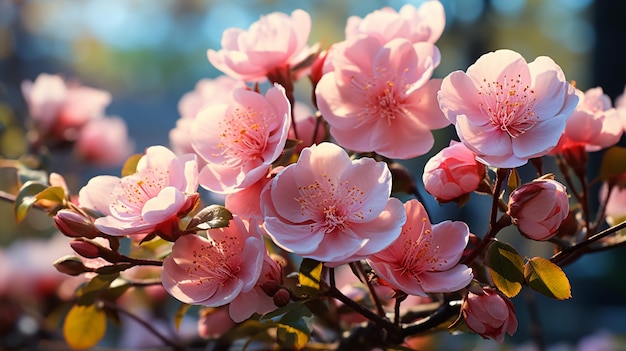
448	239
447	281
540	139
165	205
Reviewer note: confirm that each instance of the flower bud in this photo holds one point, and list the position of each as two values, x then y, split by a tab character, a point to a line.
270	287
75	225
281	297
452	173
71	265
85	248
538	208
489	314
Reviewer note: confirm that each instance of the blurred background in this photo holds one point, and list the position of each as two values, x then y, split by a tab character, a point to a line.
149	53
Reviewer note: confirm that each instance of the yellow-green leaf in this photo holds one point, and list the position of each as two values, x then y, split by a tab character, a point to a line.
506	268
52	198
547	278
130	166
180	313
26	198
514	180
291	338
84	326
87	294
310	274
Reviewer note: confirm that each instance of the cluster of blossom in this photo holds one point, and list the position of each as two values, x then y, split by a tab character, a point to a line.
66	113
318	186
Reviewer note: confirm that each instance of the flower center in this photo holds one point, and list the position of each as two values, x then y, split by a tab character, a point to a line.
419	256
216	261
330	206
508	105
138	188
244	136
383	95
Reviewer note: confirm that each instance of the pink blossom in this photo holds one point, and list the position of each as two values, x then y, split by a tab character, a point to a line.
506	110
594	124
620	106
217	270
246	202
381	98
452	173
422	24
60	109
151	200
490	314
239	141
538	208
330	208
424	258
104	141
274	41
207	92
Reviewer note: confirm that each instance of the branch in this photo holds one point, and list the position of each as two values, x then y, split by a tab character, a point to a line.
571	253
114	307
494	225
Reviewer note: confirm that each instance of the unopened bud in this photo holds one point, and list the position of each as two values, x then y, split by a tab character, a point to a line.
538	208
281	297
270	287
75	225
71	265
85	248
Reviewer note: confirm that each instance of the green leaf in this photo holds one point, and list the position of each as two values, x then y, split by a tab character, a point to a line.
84	326
210	217
310	274
547	278
291	338
130	166
180	313
53	196
114	268
26	198
88	293
506	268
612	165
294	328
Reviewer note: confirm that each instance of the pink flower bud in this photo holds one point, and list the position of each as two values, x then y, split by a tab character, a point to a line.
71	265
281	297
75	225
490	314
452	173
538	208
85	248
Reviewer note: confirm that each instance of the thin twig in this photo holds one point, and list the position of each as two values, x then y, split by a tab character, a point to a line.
373	296
494	225
112	306
564	257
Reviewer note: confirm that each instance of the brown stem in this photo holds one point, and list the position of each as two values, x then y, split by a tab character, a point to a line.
495	225
173	344
357	307
568	255
373	296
